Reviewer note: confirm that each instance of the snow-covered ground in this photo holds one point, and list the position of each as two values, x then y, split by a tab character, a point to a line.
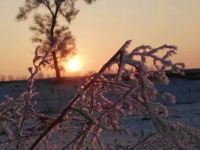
53	98
187	92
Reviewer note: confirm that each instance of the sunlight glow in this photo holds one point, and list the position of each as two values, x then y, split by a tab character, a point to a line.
73	65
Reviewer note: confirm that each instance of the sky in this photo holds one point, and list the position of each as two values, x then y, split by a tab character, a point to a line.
101	28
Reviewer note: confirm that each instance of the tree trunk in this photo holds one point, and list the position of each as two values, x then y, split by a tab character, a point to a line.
57	70
52	39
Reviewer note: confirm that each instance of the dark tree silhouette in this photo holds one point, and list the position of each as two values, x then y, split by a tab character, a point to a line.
48	32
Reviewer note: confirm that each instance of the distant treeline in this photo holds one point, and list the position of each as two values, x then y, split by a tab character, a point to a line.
192	74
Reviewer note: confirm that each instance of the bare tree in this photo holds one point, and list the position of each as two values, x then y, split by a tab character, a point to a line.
48	32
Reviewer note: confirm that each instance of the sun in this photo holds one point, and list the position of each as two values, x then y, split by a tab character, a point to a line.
73	64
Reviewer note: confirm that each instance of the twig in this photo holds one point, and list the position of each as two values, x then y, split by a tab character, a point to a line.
86	86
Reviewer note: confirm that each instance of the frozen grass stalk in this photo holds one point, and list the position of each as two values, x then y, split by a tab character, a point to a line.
100	107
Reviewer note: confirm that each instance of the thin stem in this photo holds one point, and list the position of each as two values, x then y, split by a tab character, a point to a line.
86	86
47	4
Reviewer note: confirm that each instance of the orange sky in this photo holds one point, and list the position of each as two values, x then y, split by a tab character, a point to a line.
100	29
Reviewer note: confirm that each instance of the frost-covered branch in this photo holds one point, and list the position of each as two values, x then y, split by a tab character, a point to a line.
102	104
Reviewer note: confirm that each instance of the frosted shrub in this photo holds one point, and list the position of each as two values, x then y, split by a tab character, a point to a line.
100	106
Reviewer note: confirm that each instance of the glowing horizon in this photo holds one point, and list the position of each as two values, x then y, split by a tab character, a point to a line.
100	29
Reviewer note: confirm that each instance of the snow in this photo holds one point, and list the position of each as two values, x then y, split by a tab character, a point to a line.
53	98
186	91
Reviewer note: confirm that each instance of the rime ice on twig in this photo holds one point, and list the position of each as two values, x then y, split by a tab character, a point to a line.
104	101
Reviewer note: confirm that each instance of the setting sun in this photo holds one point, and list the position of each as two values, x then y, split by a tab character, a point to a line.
73	65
